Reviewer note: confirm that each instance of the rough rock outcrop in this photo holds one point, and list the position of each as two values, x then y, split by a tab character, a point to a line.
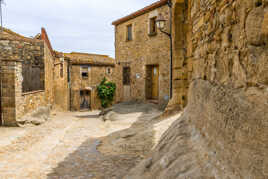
223	133
37	117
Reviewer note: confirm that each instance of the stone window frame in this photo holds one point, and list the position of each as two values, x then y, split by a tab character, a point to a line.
127	32
84	71
150	32
109	71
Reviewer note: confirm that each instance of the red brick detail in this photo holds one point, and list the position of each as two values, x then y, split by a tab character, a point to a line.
141	12
45	38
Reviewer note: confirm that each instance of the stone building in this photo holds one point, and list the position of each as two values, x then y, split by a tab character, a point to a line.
220	60
26	75
85	72
36	78
62	82
142	55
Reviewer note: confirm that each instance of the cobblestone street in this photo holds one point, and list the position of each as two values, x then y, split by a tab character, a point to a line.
66	146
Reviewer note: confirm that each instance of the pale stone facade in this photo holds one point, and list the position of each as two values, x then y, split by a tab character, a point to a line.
145	50
83	88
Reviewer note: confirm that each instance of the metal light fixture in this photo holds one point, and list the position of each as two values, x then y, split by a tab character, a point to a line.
160	22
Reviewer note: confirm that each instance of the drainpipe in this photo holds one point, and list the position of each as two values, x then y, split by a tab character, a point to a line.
171	50
169	34
69	84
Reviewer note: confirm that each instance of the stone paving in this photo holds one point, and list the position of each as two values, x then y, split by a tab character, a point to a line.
66	146
35	151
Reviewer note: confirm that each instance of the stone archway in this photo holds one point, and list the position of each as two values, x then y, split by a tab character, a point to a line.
181	59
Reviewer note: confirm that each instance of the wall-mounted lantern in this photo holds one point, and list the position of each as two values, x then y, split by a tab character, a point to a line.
161	24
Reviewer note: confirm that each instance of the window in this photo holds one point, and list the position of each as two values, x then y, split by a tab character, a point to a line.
129	32
109	71
33	74
61	70
126	75
152	30
84	71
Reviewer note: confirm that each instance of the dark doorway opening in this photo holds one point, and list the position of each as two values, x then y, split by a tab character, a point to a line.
85	100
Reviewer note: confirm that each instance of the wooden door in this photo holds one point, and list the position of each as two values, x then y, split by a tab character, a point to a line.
155	82
148	82
84	100
126	84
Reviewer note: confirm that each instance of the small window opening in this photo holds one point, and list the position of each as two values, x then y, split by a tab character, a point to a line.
129	32
81	93
152	26
109	71
84	72
61	70
258	3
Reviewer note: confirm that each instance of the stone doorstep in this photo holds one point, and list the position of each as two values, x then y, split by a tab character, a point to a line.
154	101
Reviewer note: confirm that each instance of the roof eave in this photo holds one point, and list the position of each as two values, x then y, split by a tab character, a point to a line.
140	12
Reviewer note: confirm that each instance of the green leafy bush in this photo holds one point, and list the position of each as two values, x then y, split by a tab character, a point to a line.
106	92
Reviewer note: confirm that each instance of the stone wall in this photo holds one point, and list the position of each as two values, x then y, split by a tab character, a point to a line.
223	131
17	54
95	76
61	88
143	50
230	42
8	105
222	134
49	75
182	63
223	42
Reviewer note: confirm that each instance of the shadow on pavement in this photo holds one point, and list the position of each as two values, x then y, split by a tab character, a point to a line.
119	151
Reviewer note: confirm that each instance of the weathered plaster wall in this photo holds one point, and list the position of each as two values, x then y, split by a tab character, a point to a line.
141	51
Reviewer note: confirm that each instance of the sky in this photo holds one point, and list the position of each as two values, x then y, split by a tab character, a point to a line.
72	25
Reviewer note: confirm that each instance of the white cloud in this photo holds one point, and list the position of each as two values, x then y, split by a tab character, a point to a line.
72	25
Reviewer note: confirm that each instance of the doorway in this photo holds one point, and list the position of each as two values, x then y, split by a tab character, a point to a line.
85	100
126	84
152	82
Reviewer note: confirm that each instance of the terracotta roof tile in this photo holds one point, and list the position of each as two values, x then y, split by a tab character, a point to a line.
45	38
91	59
141	12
